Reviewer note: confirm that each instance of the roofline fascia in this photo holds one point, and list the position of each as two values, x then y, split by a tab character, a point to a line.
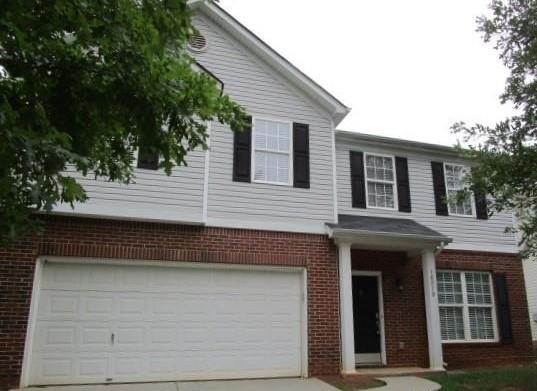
396	142
335	108
335	232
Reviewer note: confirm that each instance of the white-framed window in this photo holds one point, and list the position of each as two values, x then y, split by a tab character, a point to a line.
455	182
380	181
271	153
466	306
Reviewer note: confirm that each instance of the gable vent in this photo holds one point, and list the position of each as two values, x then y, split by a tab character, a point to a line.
197	42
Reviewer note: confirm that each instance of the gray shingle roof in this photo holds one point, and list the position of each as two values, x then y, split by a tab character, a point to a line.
385	225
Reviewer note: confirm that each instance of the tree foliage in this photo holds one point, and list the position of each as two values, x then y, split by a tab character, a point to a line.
506	153
85	83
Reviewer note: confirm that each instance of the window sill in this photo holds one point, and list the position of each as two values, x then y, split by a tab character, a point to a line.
382	208
467	343
472	216
272	183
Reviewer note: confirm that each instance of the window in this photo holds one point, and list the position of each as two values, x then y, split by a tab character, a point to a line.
272	151
466	306
380	181
147	159
454	183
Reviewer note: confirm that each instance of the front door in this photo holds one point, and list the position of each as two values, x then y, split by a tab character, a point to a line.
366	320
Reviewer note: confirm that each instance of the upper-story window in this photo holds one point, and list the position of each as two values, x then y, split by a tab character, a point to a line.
147	159
455	182
466	305
380	181
272	151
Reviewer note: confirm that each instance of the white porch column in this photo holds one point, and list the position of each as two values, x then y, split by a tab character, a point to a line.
428	265
345	309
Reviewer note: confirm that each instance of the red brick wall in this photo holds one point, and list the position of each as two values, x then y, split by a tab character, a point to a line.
404	312
16	279
483	354
67	236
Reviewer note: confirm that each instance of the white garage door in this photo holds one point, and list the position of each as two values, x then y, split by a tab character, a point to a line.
100	323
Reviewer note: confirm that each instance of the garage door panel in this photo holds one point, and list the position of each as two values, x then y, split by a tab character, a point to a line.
98	323
71	336
58	305
65	369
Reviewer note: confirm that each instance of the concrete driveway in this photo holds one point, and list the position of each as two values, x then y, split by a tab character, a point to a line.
215	385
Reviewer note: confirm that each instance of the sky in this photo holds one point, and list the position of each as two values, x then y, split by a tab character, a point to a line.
407	69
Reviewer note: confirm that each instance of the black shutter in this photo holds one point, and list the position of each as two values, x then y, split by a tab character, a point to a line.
242	153
503	308
357	179
301	156
439	187
403	185
481	205
147	159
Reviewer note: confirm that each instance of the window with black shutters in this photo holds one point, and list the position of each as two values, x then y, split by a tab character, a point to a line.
147	159
466	306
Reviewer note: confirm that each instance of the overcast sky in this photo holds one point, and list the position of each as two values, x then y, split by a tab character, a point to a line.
408	69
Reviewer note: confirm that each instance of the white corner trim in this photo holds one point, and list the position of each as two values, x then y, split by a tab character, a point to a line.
304	320
334	173
30	328
206	175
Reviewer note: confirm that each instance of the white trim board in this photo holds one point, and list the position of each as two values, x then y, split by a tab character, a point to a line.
206	172
30	328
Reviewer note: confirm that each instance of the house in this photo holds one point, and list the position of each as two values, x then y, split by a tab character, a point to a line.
530	274
290	249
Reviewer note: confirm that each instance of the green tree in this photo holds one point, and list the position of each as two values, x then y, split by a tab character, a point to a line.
506	153
85	83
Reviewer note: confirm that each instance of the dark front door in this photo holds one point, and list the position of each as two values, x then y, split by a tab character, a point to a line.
366	318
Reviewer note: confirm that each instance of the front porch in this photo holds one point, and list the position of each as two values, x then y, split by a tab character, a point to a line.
388	304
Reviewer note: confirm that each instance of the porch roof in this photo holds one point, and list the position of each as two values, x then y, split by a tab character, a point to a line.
385	233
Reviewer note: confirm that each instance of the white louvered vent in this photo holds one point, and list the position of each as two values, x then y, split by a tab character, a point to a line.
197	42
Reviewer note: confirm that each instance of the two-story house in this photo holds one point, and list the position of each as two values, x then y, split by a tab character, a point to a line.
290	249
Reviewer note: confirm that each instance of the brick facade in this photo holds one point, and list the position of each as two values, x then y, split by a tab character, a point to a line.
67	236
405	323
404	311
483	354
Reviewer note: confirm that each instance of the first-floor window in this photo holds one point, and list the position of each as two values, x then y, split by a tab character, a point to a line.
466	306
272	151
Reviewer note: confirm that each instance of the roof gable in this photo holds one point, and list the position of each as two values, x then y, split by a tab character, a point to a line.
292	74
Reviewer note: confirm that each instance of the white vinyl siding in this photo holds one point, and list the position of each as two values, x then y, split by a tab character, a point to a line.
454	177
151	195
265	95
466	306
467	233
272	151
380	179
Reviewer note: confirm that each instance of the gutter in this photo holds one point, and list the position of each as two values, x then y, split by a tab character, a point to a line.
342	231
204	69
